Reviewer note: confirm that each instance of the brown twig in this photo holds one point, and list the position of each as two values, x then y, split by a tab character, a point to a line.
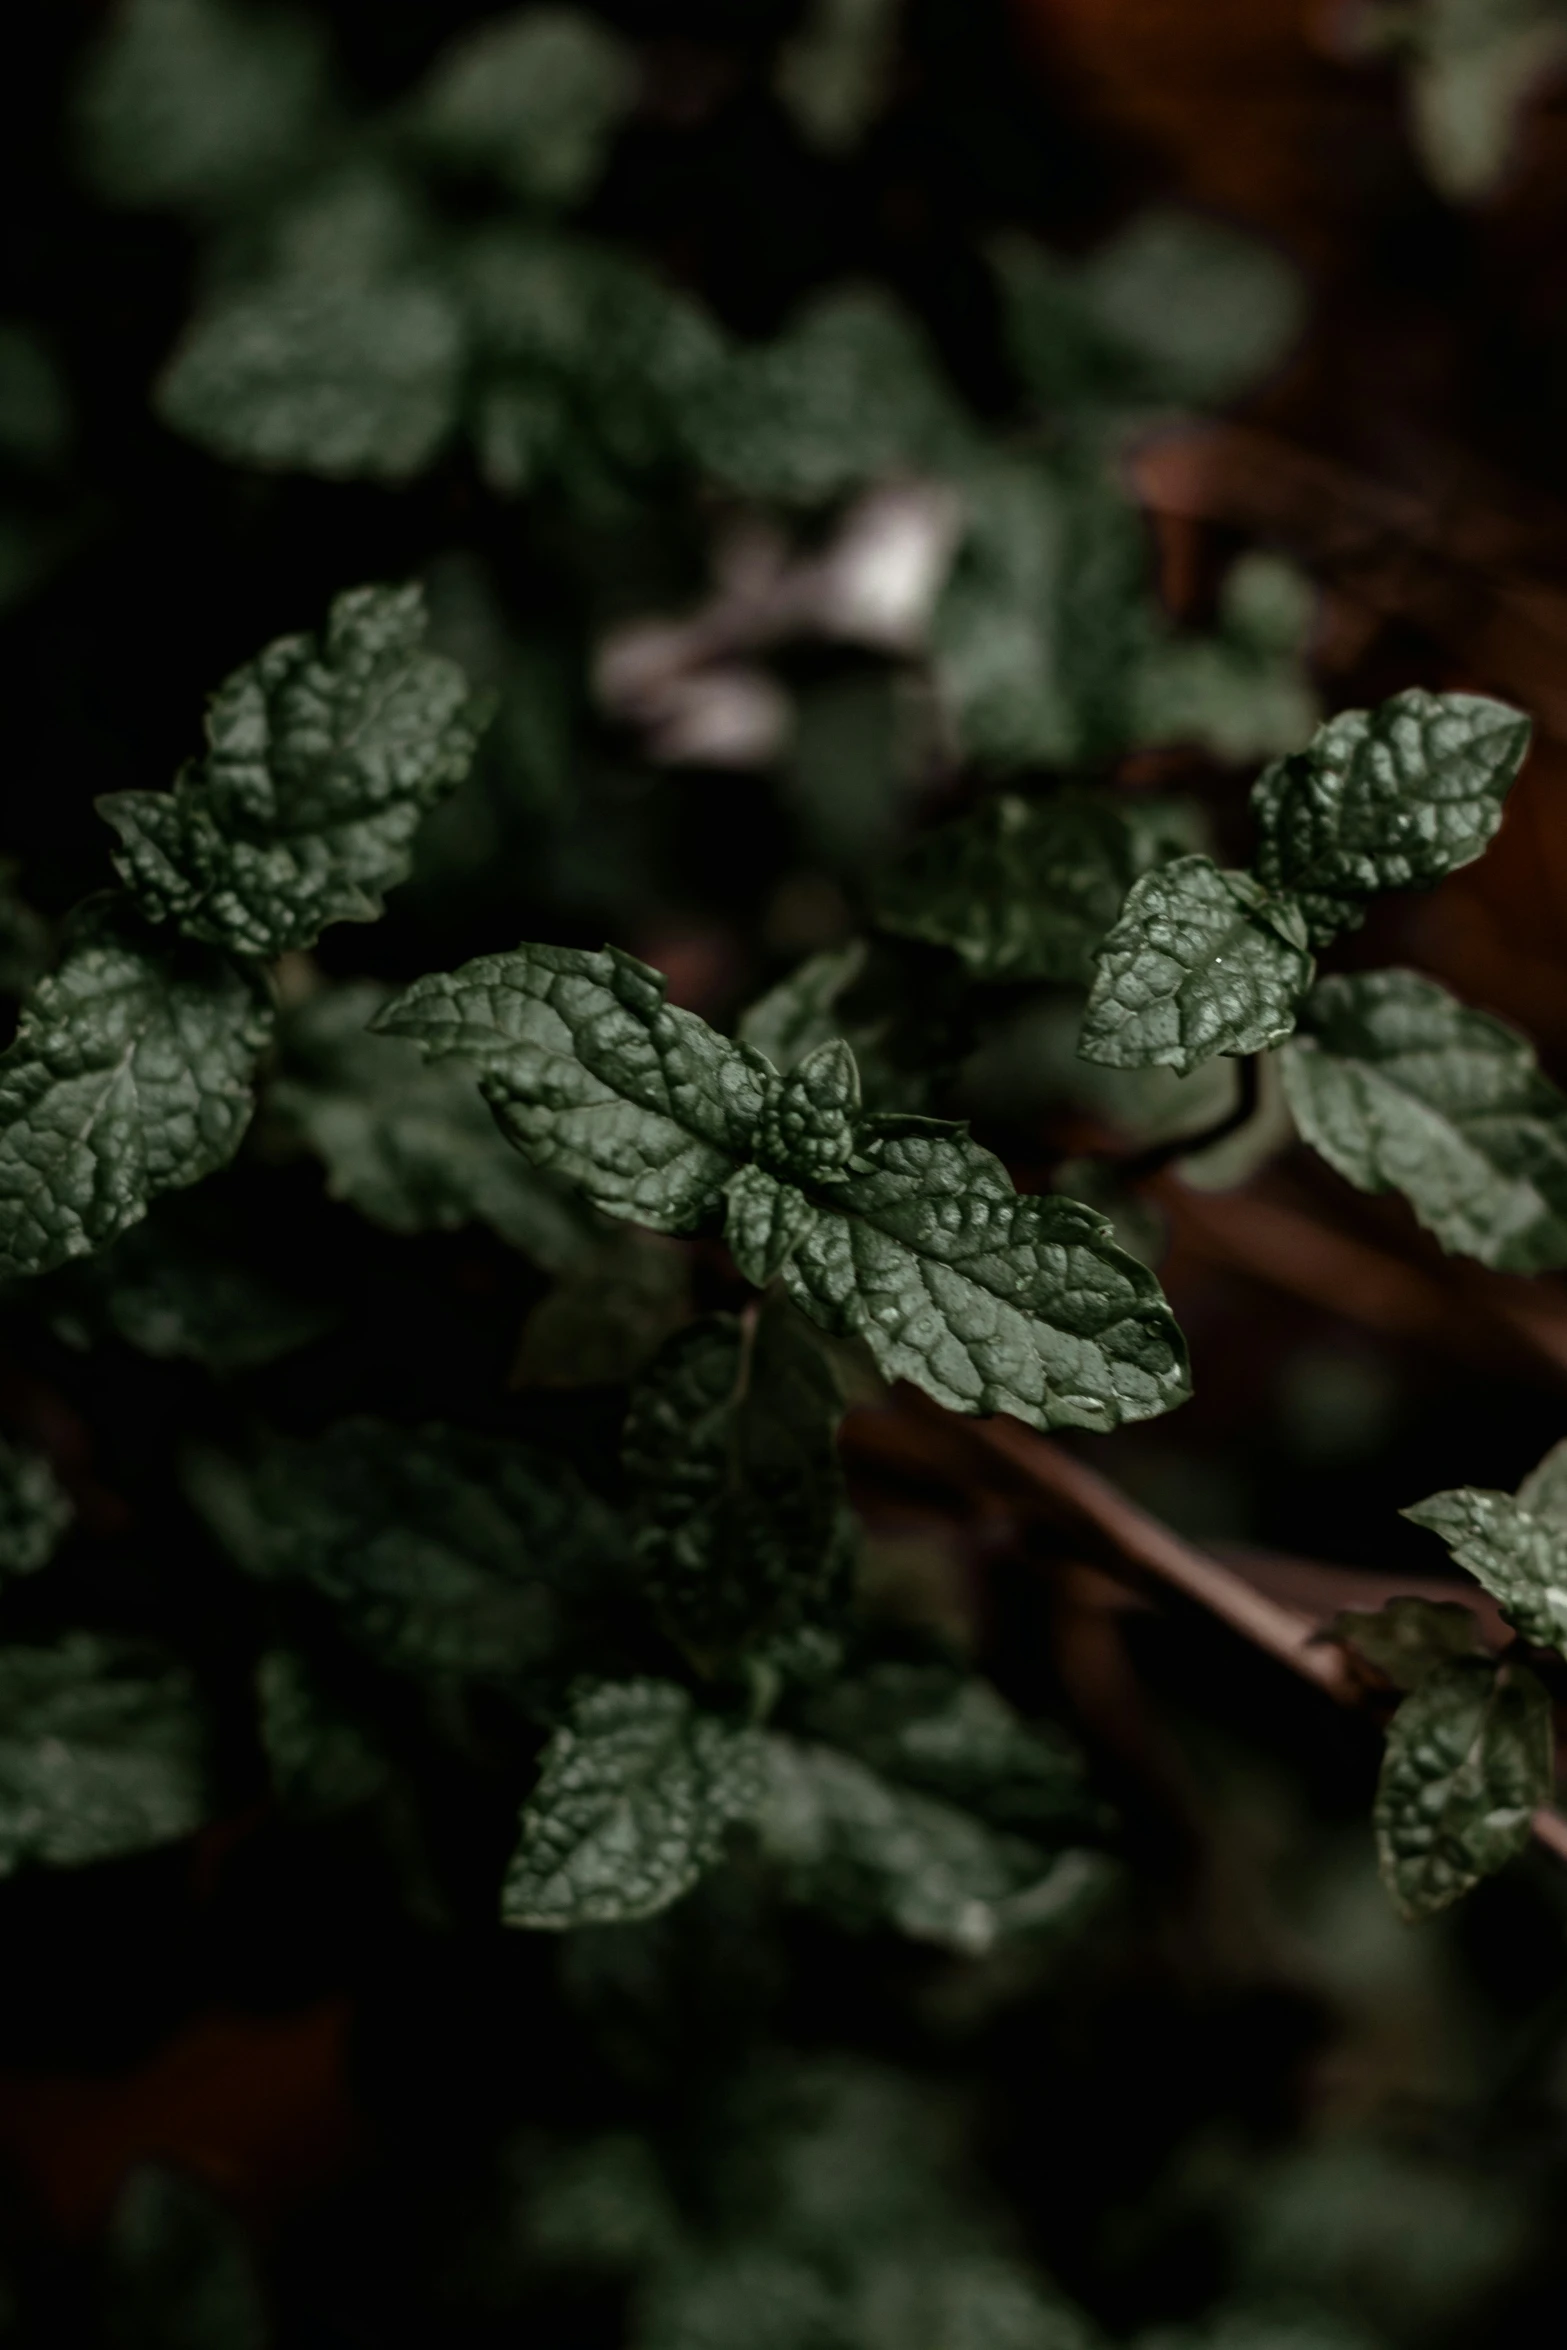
1131	1536
1125	1536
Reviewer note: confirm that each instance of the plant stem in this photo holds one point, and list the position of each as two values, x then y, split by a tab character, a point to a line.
1125	1536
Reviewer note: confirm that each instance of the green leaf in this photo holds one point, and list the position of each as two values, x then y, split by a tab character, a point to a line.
806	1132
102	1753
998	666
594	1077
708	2297
1026	889
870	1854
198	105
1200	962
601	2207
586	366
412	1147
442	1552
1244	693
1409	1638
179	2270
801	1012
635	1795
767	1220
322	756
905	1015
607	1315
34	1512
532	99
346	378
952	1735
899	1231
1176	308
1202	310
1544	1491
182	1285
1469	1760
35	406
130	1075
849	394
1047	617
1403	1089
838	71
323	1762
1474	68
989	1301
1518	1554
1391	798
743	1533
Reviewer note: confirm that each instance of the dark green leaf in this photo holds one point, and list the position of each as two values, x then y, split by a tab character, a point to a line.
1403	1089
34	1512
848	395
130	1075
1201	309
954	1736
1245	692
806	1132
322	1760
703	2301
1200	962
608	1315
1468	1762
1520	1556
180	2274
800	1013
199	104
182	1285
838	71
870	1853
1409	1638
412	1147
905	1014
35	407
298	374
322	756
587	366
594	1076
1177	308
1026	889
998	662
601	2207
533	99
1047	618
443	1552
1544	1491
743	1531
634	1799
1391	798
102	1753
989	1301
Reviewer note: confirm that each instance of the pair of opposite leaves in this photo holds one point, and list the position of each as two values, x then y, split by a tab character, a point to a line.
1470	1752
1393	1081
904	1232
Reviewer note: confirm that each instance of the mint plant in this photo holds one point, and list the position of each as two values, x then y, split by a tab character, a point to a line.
567	1161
